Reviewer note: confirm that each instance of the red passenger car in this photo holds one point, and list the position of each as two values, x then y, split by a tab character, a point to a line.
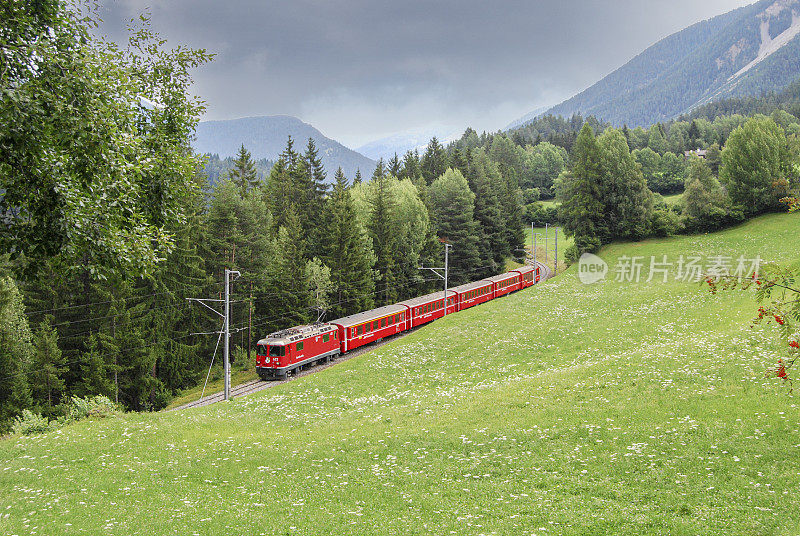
530	275
363	328
474	293
428	308
290	349
505	283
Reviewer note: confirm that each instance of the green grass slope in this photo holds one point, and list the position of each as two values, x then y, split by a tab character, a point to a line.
564	409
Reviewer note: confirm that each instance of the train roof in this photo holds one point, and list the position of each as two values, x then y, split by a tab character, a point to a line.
524	269
298	333
358	318
471	286
413	302
501	277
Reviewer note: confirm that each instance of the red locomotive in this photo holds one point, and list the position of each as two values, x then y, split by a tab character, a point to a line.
288	350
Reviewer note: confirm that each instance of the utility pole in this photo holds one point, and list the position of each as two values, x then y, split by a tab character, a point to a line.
225	326
226	351
446	271
250	322
546	232
555	261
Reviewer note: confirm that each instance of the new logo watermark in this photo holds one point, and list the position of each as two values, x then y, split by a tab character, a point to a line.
591	269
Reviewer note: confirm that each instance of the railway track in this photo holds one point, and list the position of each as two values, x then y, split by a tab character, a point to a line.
254	386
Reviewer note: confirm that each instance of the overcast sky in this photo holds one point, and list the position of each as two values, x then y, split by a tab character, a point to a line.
359	70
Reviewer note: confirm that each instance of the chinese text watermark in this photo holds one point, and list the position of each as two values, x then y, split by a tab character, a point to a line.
685	268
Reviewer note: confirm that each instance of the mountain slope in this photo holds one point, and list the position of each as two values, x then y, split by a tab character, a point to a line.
265	137
745	52
642	407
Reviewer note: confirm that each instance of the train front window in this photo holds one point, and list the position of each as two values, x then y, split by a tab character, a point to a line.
277	351
262	349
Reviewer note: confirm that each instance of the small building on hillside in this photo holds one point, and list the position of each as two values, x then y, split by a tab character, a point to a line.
701	153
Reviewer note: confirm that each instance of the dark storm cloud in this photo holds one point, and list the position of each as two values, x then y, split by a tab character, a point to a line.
364	69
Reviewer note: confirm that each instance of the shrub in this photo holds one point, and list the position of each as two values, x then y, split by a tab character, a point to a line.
97	406
583	244
665	222
30	423
539	215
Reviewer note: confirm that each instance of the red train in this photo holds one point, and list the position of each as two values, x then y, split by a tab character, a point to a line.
285	351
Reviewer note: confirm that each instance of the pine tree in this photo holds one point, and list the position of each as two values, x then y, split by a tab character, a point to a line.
16	351
383	234
185	273
290	284
658	140
394	167
47	382
411	166
459	162
244	173
694	135
453	205
279	193
357	178
347	251
434	162
582	209
484	180
628	203
316	190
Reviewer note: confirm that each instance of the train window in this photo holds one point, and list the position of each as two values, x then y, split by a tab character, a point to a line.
360	330
300	345
334	336
326	338
383	322
277	351
261	349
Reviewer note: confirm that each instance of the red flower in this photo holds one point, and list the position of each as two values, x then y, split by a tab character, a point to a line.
778	319
781	372
794	344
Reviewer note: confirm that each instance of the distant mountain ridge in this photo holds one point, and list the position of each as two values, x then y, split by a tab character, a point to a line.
266	136
748	51
401	142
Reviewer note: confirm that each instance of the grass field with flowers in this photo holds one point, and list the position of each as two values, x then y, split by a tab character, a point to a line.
614	408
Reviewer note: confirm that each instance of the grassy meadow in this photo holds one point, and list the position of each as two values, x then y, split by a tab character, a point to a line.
614	408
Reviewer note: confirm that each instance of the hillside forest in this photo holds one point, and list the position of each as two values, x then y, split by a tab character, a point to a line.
102	246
